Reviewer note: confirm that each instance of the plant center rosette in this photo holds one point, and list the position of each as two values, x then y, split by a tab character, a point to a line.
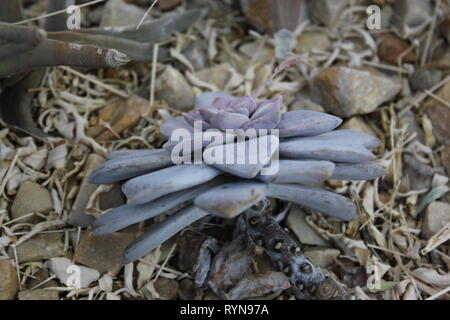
226	156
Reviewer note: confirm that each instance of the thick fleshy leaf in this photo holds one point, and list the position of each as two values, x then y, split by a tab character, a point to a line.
126	215
324	148
130	153
245	105
267	106
161	232
303	172
266	116
229	200
227	120
160	183
195	117
353	137
321	200
168	126
358	171
306	123
122	168
207	114
244	158
206	100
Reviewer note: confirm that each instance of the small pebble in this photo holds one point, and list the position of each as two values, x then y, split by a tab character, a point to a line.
437	215
32	197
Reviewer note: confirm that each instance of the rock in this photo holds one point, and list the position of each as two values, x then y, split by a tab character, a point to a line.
41	247
77	215
391	48
166	288
440	116
217	75
444	29
264	263
186	290
38	280
272	16
31	197
265	54
420	175
284	43
168	4
437	215
327	12
425	78
411	12
197	55
305	234
120	115
172	87
112	199
118	13
9	283
39	294
445	156
409	118
103	253
63	269
347	92
322	257
309	41
358	124
306	105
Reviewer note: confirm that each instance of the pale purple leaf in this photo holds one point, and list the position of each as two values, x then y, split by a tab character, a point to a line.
306	123
229	200
314	198
301	171
160	183
122	168
161	232
358	171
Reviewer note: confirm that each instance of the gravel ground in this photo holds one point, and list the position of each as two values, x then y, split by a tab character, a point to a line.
392	83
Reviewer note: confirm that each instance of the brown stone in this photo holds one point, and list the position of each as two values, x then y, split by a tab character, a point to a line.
32	197
172	87
217	75
358	124
392	47
322	257
39	294
347	91
440	116
272	16
77	215
9	284
103	253
309	41
41	247
120	115
444	29
437	215
168	4
39	278
166	288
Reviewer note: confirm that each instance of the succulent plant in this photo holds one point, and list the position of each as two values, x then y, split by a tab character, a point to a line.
310	149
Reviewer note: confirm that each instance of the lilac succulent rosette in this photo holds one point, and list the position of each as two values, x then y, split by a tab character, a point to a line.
310	151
